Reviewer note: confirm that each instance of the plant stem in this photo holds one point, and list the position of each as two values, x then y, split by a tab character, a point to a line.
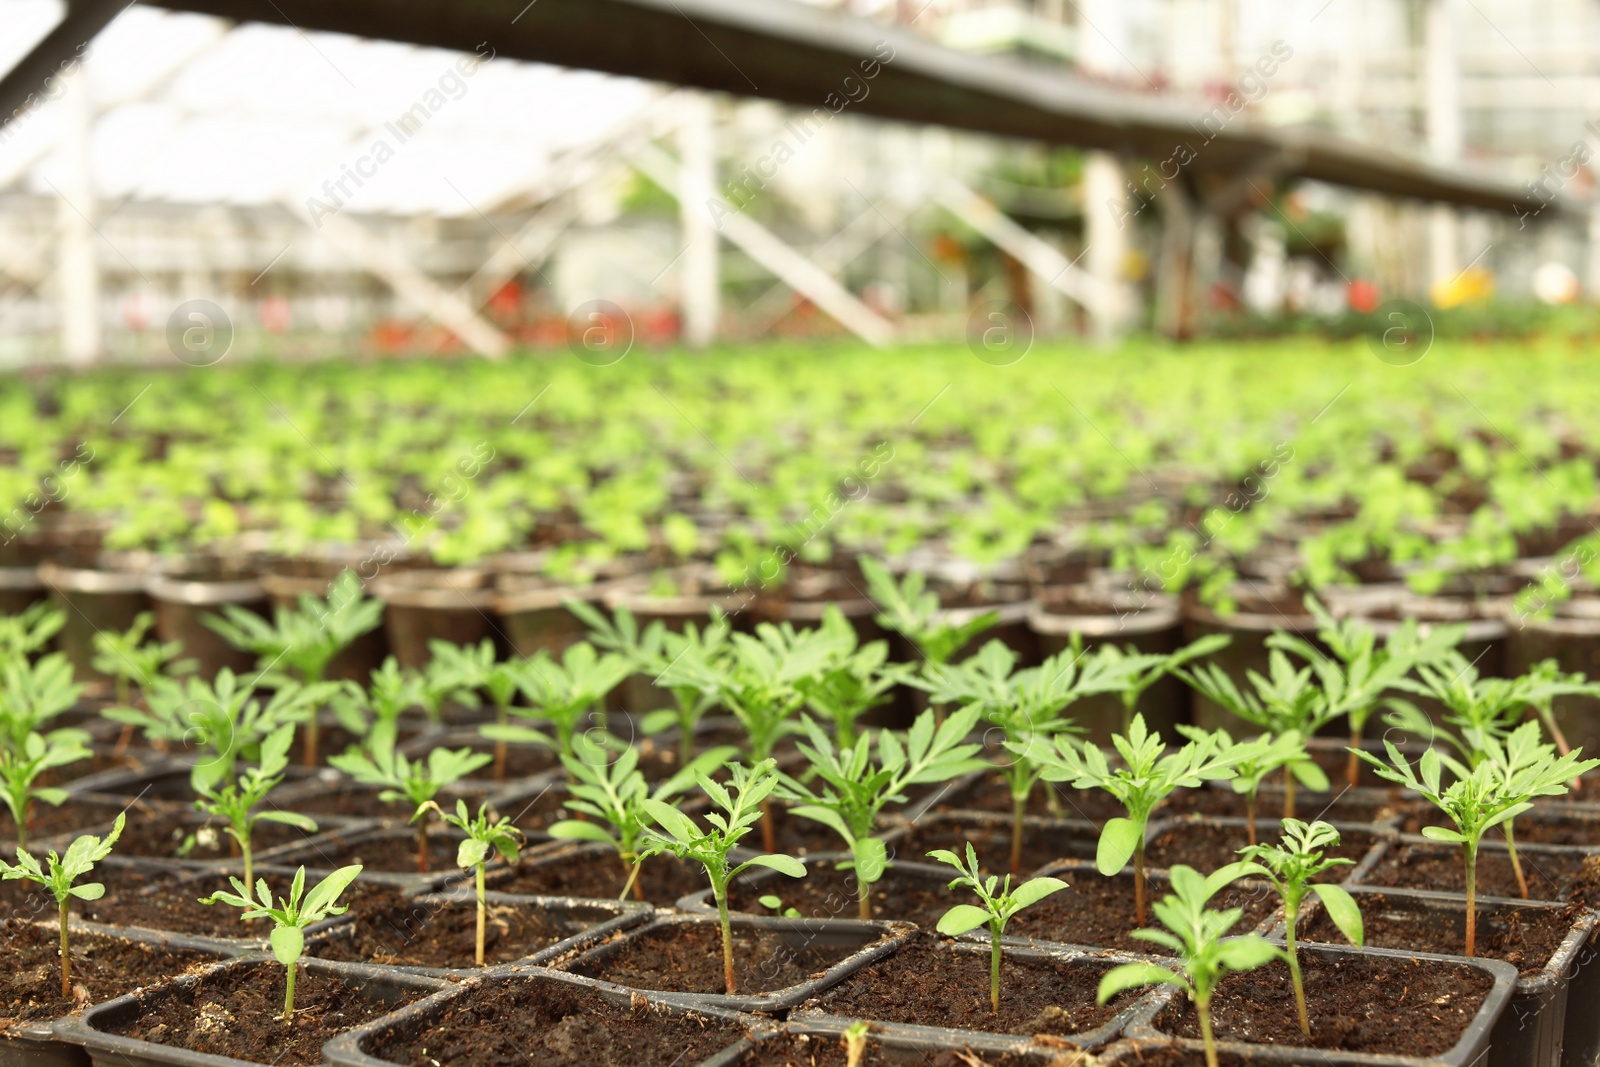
288	996
1202	1010
500	748
863	897
633	882
1250	816
769	828
1352	764
482	912
66	956
685	742
1516	864
422	845
1294	971
249	864
1288	793
719	890
308	754
994	970
1470	855
1019	806
1138	881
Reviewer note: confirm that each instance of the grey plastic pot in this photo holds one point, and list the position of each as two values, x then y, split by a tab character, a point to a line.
95	1031
184	602
349	1049
897	1045
1470	1048
1538	890
1140	1052
866	942
534	612
1536	1025
36	1044
816	1012
434	605
92	601
20	588
757	878
589	921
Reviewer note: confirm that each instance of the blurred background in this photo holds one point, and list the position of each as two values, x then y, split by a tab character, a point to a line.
430	180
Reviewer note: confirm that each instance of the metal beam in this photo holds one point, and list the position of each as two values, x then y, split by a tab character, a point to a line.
24	85
1037	255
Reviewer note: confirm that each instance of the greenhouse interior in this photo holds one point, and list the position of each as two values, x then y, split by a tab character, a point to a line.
799	533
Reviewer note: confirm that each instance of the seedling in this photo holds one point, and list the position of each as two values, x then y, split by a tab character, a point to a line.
1196	933
856	681
32	695
1029	706
1256	759
484	835
1148	775
773	902
913	611
235	801
562	694
1520	761
136	664
57	875
28	631
19	771
851	789
739	804
1479	799
613	794
476	668
1140	681
412	782
854	1040
392	692
1290	866
304	639
291	917
998	904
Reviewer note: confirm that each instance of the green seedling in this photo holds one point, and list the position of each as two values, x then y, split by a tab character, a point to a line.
58	874
1158	667
234	802
1290	866
854	1040
1254	760
476	668
1196	933
1521	761
28	631
377	707
291	917
303	640
913	611
32	695
998	903
412	782
773	902
612	794
484	835
856	681
20	771
562	695
739	809
850	788
1147	776
135	664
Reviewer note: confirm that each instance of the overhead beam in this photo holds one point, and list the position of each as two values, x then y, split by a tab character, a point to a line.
1037	255
849	243
54	56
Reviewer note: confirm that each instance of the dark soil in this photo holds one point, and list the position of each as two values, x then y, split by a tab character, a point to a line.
395	853
404	931
930	983
810	1050
1041	843
239	1012
795	836
1099	911
46	821
828	893
1553	828
687	958
1157	1055
1208	846
536	812
662	879
159	901
102	968
1373	1004
1334	806
1048	800
1524	937
1551	876
542	1024
165	837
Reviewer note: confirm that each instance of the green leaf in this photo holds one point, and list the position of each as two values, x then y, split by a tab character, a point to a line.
1134	976
1308	774
871	859
325	896
576	830
471	852
782	864
1342	909
1444	835
960	919
290	818
1035	890
88	891
287	944
1247	952
770	901
1118	841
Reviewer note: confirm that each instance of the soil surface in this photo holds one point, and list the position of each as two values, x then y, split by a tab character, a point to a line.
1041	844
1523	937
930	983
1373	1004
1171	1056
687	958
542	1024
394	929
1208	846
102	968
1334	806
1551	876
809	1050
239	1013
159	901
46	821
395	853
828	893
1052	800
161	836
1099	911
662	879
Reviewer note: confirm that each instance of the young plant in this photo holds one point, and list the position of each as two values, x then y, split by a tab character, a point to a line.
412	782
136	664
1148	776
303	639
377	706
856	681
58	874
1158	667
612	794
476	668
291	917
1196	933
1290	866
1480	798
19	771
998	903
32	695
1254	760
562	695
854	1040
234	802
739	809
28	631
1521	761
849	788
484	835
913	611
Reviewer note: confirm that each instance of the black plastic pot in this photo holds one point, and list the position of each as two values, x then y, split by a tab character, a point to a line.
534	614
350	1048
843	910
1571	637
95	1031
867	942
36	1044
1536	1023
589	921
183	602
20	589
897	1047
1470	1048
816	1012
93	601
1179	1052
435	605
1267	832
1539	888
